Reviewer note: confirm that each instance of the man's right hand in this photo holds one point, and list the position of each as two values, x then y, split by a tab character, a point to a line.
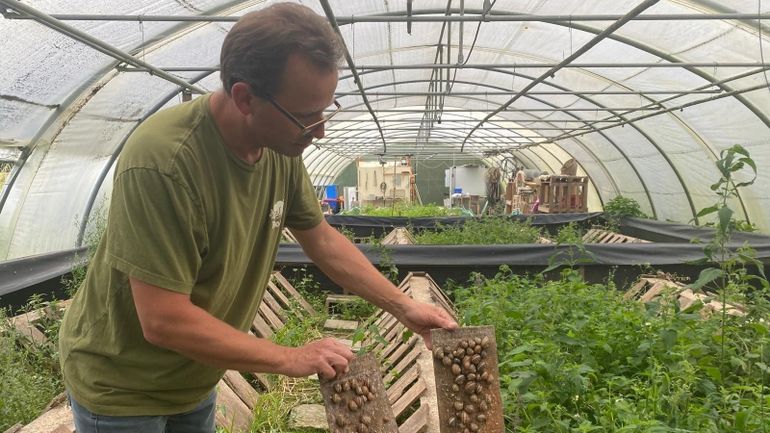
327	357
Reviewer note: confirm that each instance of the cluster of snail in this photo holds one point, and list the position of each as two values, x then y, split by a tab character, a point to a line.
468	364
353	394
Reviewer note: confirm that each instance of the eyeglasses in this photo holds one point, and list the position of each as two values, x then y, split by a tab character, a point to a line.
306	130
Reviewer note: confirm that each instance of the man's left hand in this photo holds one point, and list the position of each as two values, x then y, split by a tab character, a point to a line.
421	318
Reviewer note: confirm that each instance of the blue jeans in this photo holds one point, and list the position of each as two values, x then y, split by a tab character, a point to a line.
198	420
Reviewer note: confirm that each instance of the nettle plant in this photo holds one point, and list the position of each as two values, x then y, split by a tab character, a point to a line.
578	357
731	279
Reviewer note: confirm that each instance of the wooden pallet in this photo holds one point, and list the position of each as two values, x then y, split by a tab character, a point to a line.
648	289
399	236
280	300
29	324
407	366
288	237
601	236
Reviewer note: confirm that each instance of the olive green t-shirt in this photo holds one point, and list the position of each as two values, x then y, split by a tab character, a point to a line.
189	216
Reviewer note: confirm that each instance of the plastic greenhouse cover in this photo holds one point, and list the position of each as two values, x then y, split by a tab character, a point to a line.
70	109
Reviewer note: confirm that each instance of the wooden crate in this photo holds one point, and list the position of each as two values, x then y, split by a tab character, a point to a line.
648	289
563	194
407	365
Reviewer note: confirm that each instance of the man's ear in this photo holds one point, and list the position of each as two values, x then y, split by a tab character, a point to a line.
242	97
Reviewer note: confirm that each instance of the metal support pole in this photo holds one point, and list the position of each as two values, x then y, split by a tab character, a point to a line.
333	21
582	50
92	42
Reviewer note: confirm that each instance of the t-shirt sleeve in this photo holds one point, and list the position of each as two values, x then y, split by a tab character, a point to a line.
155	231
304	212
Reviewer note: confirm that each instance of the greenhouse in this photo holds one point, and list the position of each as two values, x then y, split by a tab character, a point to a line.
582	186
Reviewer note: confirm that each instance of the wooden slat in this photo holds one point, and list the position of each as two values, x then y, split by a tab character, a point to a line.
416	423
393	343
288	236
408	359
261	328
279	295
408	397
274	321
242	388
403	382
25	325
403	348
268	299
263	380
231	413
283	282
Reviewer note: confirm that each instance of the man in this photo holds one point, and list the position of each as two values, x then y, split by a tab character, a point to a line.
201	193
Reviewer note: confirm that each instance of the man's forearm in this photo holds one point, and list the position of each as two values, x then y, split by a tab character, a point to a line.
197	335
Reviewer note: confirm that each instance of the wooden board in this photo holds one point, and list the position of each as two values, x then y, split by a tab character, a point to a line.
467	383
356	402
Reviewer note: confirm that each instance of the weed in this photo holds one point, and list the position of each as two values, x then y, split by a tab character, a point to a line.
27	377
407	210
386	265
482	231
302	280
577	357
357	309
623	207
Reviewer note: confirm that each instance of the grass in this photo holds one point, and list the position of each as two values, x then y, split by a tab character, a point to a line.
29	377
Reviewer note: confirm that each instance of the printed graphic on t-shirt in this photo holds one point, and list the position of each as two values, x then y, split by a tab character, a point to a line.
276	214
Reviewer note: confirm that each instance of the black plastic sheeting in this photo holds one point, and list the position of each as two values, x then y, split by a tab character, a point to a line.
40	274
659	231
675	249
363	226
671	244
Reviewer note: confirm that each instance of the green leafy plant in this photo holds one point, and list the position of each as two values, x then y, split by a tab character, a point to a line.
571	251
302	280
482	231
408	210
386	265
621	206
730	279
29	373
355	310
578	357
569	234
96	226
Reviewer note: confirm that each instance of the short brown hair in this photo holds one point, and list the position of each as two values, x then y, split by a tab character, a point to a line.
257	47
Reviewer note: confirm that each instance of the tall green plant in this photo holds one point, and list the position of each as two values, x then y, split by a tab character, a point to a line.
571	251
729	276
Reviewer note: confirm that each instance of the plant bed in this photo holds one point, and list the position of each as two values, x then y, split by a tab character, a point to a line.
578	357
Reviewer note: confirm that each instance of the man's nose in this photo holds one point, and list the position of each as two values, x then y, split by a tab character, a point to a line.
318	132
